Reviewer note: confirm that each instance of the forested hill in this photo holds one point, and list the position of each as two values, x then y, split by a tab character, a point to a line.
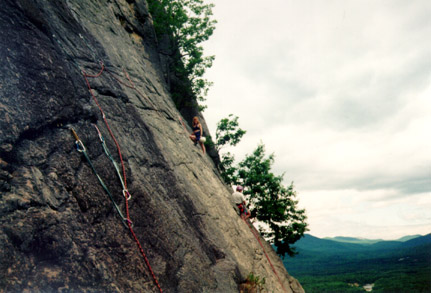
343	244
101	188
324	265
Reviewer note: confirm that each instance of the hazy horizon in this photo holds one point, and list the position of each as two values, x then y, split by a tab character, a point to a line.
367	238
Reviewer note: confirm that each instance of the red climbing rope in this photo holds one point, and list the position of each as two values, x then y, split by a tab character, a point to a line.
104	119
128	77
129	223
98	74
126	193
183	125
131	85
264	251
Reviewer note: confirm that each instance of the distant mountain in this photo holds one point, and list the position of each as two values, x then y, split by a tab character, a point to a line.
333	265
312	243
387	245
339	244
368	241
407	238
353	240
418	241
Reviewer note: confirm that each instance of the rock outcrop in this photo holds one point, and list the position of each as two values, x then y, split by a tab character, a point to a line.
60	230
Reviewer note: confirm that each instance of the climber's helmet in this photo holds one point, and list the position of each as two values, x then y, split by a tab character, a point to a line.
239	188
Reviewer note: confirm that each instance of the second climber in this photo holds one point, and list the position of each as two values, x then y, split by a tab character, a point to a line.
239	199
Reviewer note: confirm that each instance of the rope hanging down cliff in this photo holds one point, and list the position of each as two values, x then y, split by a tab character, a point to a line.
253	230
82	149
124	178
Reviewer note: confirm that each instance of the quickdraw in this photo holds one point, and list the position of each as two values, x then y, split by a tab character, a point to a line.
126	193
122	176
80	147
125	220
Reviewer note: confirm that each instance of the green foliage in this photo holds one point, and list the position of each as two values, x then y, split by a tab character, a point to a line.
228	170
271	202
328	284
257	283
407	281
228	132
384	280
390	268
186	23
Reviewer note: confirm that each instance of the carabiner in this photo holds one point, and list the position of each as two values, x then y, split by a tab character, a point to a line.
125	191
128	221
99	133
80	146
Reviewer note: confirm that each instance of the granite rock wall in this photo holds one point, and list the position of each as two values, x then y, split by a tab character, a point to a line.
59	229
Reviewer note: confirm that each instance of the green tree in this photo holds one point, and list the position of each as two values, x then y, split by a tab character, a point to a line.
228	169
228	132
271	202
186	23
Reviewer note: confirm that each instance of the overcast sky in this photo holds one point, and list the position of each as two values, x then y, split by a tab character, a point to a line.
340	92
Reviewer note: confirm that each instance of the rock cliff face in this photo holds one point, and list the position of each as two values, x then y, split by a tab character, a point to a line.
59	228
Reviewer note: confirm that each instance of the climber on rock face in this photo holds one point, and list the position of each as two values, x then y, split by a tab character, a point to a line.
196	136
239	200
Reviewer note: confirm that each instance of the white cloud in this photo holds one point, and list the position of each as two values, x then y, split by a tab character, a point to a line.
367	214
340	93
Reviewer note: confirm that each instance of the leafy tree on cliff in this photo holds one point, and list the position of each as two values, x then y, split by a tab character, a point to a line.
228	133
270	201
186	23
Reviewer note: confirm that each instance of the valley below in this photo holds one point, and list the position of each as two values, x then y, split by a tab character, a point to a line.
343	264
